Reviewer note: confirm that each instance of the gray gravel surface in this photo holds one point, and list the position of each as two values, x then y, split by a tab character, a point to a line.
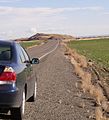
42	49
57	95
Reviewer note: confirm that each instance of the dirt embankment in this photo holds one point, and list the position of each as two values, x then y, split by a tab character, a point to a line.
91	82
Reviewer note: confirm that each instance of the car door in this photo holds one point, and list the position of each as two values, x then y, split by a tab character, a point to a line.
29	73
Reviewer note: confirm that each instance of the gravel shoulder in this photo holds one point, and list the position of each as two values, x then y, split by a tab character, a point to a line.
58	97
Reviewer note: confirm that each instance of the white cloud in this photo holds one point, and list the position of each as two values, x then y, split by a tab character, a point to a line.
9	1
6	10
96	8
33	30
21	22
46	11
106	13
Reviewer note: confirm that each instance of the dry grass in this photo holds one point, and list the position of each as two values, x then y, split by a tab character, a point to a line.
95	91
98	113
86	82
105	105
81	60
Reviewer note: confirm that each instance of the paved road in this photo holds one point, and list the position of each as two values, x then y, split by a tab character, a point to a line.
57	95
42	50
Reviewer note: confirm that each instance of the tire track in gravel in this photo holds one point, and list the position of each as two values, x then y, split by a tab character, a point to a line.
57	95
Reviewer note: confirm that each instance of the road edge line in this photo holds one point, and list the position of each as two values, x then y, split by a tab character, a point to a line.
49	52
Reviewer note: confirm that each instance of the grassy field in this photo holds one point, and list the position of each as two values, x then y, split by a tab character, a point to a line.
97	50
27	44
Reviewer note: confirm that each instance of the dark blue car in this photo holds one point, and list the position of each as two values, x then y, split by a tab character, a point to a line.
18	81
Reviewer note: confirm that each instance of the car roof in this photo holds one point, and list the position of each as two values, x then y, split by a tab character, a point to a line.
7	42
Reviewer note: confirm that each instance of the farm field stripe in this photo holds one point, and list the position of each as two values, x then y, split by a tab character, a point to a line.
49	52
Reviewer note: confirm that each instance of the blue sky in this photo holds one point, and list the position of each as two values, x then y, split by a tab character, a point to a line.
23	18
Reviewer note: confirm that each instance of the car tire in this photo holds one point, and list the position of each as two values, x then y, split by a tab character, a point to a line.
4	110
18	113
33	97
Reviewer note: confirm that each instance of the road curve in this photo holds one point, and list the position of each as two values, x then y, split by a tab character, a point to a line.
58	98
43	50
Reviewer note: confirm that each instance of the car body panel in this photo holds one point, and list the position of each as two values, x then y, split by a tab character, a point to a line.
11	94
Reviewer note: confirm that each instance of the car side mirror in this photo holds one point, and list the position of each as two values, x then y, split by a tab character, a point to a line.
35	61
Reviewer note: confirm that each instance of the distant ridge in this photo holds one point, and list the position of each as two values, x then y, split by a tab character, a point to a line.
43	36
93	37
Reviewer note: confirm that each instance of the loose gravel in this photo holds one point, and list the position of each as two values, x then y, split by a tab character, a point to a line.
58	97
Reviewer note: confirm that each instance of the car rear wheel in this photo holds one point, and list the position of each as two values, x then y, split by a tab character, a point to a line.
18	113
4	110
33	97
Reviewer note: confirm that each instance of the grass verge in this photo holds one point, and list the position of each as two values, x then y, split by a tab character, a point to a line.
27	44
97	50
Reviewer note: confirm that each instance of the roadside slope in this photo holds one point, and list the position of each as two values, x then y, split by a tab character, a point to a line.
57	95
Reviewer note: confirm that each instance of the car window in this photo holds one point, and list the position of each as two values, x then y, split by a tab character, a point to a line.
25	55
21	55
5	53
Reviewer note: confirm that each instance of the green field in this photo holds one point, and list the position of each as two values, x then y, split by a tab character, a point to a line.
97	50
27	44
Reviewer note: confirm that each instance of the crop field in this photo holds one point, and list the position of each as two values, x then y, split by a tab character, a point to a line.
96	50
27	44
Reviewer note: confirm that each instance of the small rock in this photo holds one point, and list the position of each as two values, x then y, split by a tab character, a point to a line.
82	105
60	101
78	94
68	91
76	84
66	57
91	116
72	106
88	111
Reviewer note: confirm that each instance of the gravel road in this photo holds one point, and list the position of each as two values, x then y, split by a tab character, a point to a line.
58	98
42	49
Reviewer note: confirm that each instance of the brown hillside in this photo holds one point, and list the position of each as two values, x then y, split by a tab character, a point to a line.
42	36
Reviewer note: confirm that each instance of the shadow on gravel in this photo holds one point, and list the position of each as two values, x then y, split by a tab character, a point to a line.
87	98
91	101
